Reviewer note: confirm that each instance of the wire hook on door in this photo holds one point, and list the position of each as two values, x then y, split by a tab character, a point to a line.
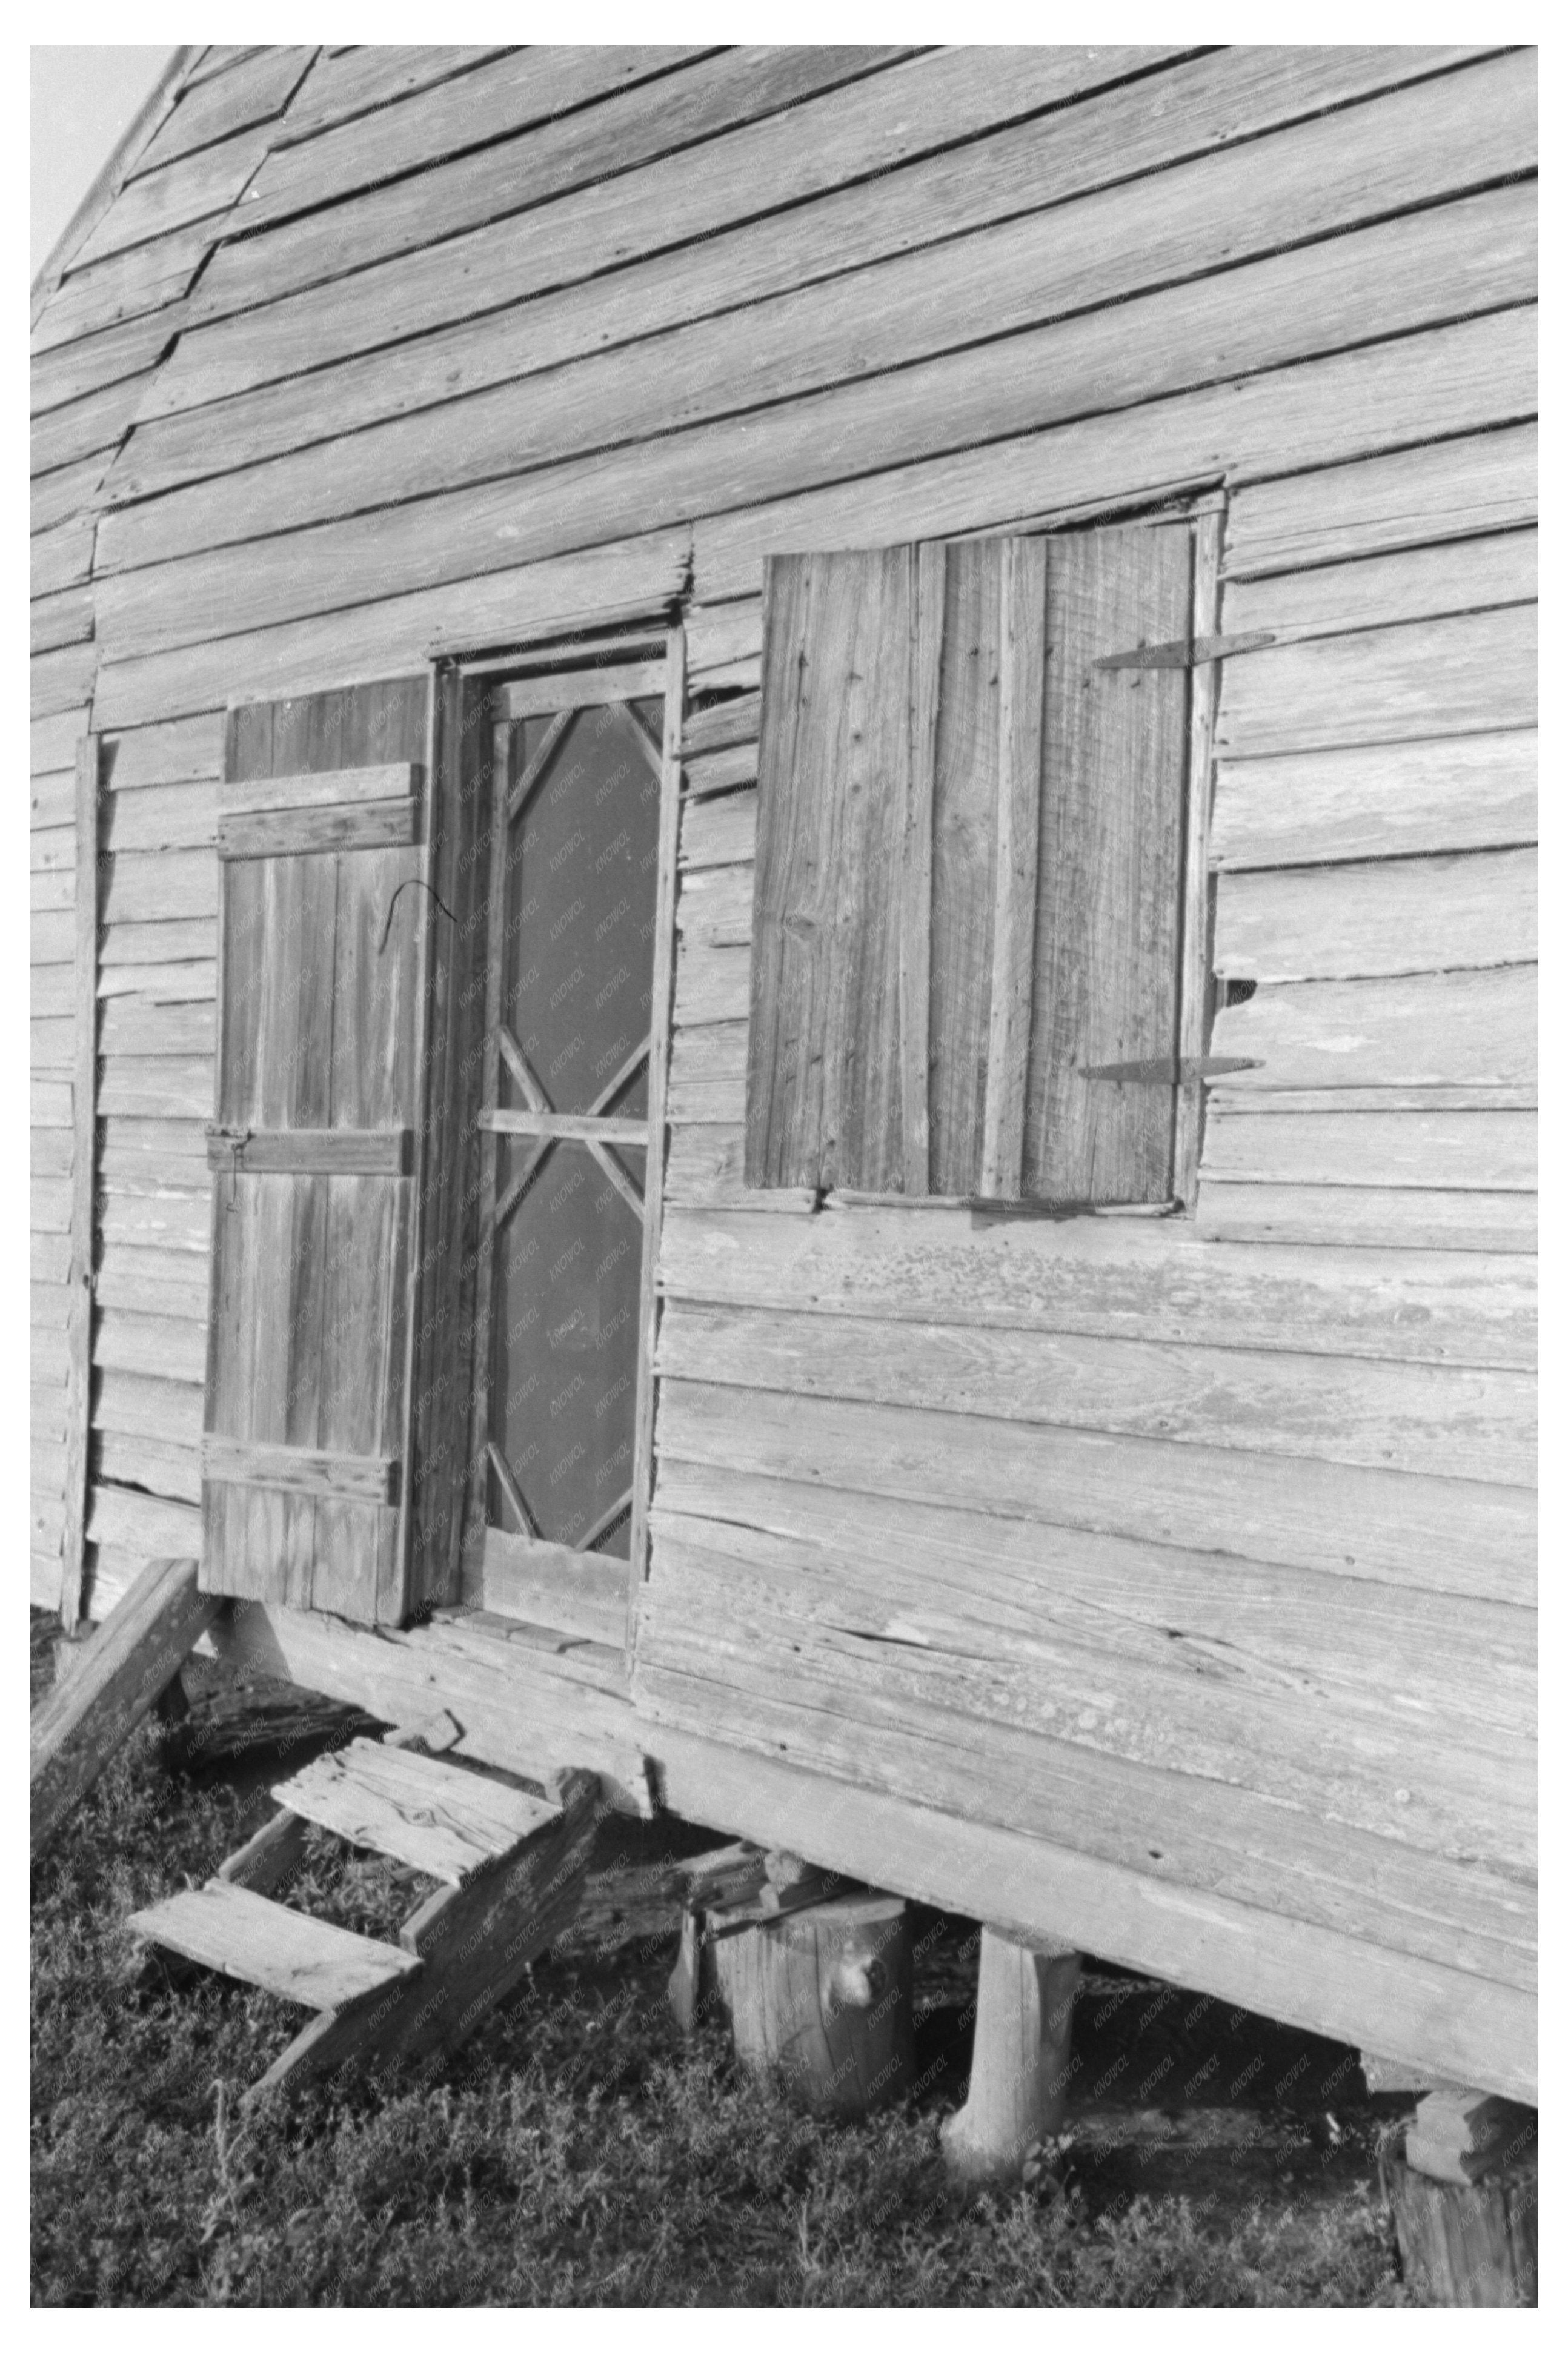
416	883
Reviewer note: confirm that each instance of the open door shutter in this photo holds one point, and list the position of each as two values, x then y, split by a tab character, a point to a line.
968	887
322	820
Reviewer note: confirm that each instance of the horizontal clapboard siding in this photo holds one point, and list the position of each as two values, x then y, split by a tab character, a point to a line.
651	116
1437	1420
996	1649
1384	800
623	581
347	82
96	344
1388	1527
1444	490
1002	276
933	134
1324	410
1406	273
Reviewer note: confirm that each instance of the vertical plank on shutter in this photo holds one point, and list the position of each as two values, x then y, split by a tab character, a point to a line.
1110	866
372	990
825	1079
963	877
1194	1020
288	1397
1020	736
916	824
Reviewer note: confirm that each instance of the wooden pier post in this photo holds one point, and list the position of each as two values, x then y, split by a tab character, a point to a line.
1018	2079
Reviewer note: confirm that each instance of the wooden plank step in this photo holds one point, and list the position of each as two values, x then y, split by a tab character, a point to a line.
434	1816
474	1943
286	1953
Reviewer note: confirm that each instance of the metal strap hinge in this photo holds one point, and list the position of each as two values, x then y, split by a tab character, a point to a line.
1169	1071
1185	653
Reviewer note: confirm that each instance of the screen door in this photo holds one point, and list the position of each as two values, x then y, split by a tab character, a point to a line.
575	830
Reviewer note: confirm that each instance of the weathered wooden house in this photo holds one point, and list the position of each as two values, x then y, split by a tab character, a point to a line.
934	1268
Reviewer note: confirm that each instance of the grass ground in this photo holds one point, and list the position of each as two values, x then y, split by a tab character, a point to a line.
579	2153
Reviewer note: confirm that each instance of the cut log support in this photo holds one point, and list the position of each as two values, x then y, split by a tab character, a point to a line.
1464	2197
1475	2247
1018	2077
123	1668
820	1996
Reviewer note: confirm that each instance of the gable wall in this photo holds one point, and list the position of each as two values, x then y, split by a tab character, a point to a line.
568	364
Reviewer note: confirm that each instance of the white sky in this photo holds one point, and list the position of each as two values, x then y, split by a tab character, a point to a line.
82	98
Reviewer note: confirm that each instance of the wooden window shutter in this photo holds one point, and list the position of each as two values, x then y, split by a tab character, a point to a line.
322	952
970	868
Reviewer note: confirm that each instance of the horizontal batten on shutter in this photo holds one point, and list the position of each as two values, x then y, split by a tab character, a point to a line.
313	1152
299	1470
564	1127
294	833
581	690
394	780
1186	653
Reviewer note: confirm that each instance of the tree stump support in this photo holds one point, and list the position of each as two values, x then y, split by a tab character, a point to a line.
1018	2078
1462	2190
815	1985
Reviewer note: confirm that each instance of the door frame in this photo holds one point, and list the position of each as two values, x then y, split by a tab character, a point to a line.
578	1592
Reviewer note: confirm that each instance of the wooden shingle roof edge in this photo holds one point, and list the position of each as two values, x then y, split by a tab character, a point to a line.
107	184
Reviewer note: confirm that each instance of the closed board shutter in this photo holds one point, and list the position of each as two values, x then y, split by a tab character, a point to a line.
304	1470
969	893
